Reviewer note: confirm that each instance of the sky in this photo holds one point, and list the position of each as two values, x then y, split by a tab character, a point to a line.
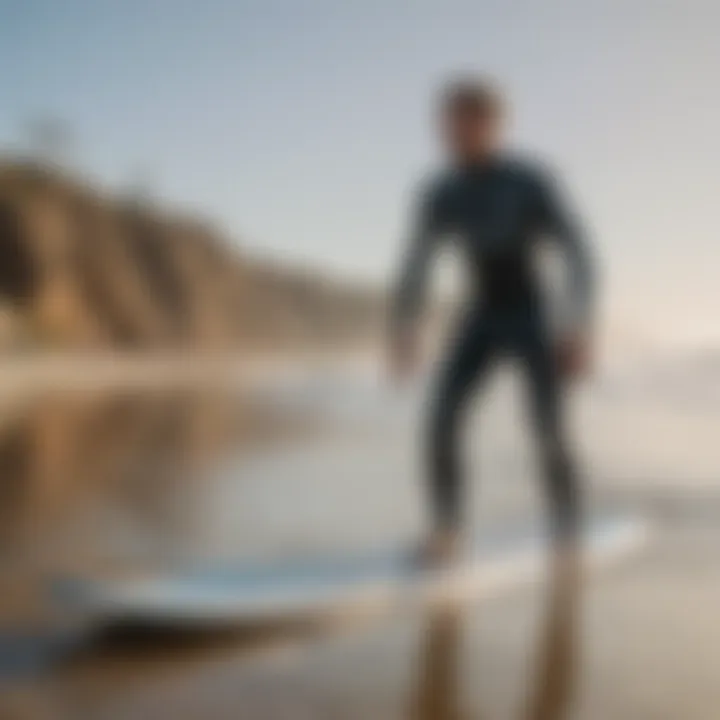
302	127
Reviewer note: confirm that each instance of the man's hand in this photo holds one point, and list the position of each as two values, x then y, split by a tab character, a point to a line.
574	355
404	354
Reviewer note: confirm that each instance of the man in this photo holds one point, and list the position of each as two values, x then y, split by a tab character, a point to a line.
499	210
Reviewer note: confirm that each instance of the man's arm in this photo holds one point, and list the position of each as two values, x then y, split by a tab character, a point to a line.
562	225
408	296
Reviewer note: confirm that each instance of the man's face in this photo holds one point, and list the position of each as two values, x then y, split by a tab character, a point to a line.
470	134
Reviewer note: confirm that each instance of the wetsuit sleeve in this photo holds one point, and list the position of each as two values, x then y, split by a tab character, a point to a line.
411	285
562	225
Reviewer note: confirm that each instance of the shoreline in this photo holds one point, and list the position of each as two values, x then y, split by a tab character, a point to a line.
21	374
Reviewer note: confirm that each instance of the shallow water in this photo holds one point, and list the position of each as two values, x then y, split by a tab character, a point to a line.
120	481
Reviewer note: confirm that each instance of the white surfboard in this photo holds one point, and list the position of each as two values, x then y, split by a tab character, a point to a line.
319	587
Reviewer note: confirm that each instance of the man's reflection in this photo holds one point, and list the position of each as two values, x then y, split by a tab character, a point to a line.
438	686
556	662
437	692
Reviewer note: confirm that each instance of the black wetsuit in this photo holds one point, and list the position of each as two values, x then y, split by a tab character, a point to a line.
498	212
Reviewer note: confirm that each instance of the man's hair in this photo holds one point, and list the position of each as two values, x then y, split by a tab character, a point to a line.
477	95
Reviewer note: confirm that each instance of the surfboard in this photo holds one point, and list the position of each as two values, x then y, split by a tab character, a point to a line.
330	586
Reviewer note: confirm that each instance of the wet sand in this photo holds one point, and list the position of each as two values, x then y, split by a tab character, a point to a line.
638	641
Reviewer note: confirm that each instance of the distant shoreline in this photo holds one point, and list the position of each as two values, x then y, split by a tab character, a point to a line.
23	374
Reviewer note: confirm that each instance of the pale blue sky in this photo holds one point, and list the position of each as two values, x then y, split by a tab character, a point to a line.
301	124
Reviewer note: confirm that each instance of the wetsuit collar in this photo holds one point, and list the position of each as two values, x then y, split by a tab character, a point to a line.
480	166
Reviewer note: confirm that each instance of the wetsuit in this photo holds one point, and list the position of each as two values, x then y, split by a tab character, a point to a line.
498	212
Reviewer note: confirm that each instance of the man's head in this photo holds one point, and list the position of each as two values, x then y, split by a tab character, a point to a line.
471	114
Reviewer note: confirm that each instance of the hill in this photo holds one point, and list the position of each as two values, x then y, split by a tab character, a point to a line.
81	269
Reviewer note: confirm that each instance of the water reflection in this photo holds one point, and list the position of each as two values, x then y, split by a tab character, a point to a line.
86	476
128	674
557	661
438	692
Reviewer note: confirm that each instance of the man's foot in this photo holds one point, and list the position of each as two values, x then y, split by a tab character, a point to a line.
440	548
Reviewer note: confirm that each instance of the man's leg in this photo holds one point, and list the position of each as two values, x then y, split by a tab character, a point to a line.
466	364
546	396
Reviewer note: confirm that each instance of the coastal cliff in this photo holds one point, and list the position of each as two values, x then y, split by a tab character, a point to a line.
82	269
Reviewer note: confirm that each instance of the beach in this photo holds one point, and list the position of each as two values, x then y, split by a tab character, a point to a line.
141	476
